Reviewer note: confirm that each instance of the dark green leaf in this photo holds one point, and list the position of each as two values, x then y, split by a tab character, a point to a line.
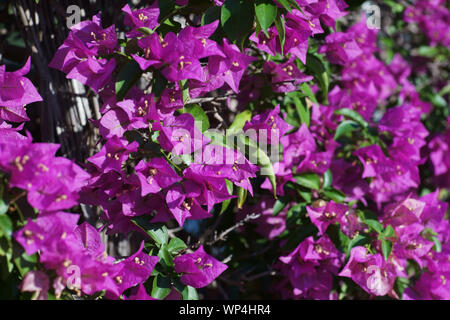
327	179
127	78
226	203
344	128
306	89
308	180
280	204
165	255
176	245
159	83
3	207
389	232
6	225
303	111
189	293
242	196
161	287
316	67
285	4
237	19
239	122
266	12
25	263
280	24
145	31
352	114
201	119
386	247
157	231
437	244
359	240
335	195
375	225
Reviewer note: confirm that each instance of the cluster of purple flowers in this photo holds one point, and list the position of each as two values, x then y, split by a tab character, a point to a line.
52	183
135	173
381	172
432	18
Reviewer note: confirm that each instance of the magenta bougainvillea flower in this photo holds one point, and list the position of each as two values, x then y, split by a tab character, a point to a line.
113	154
155	175
356	185
179	135
141	18
370	272
16	92
270	123
78	55
198	269
340	48
231	65
323	214
309	269
78	255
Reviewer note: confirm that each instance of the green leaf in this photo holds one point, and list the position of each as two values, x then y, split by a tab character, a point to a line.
161	287
386	247
159	83
226	203
335	195
199	115
258	156
165	8
157	231
175	245
242	196
213	14
185	88
279	205
327	179
295	5
280	24
266	12
145	31
285	4
25	263
189	293
306	89
239	122
389	232
127	78
3	207
303	111
237	18
359	240
437	244
396	7
344	128
444	91
352	114
427	51
375	225
306	195
308	180
401	284
6	225
316	67
165	256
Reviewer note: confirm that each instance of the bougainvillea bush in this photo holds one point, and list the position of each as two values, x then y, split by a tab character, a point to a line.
266	149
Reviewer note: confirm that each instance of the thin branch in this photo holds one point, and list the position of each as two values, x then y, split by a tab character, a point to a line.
223	235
